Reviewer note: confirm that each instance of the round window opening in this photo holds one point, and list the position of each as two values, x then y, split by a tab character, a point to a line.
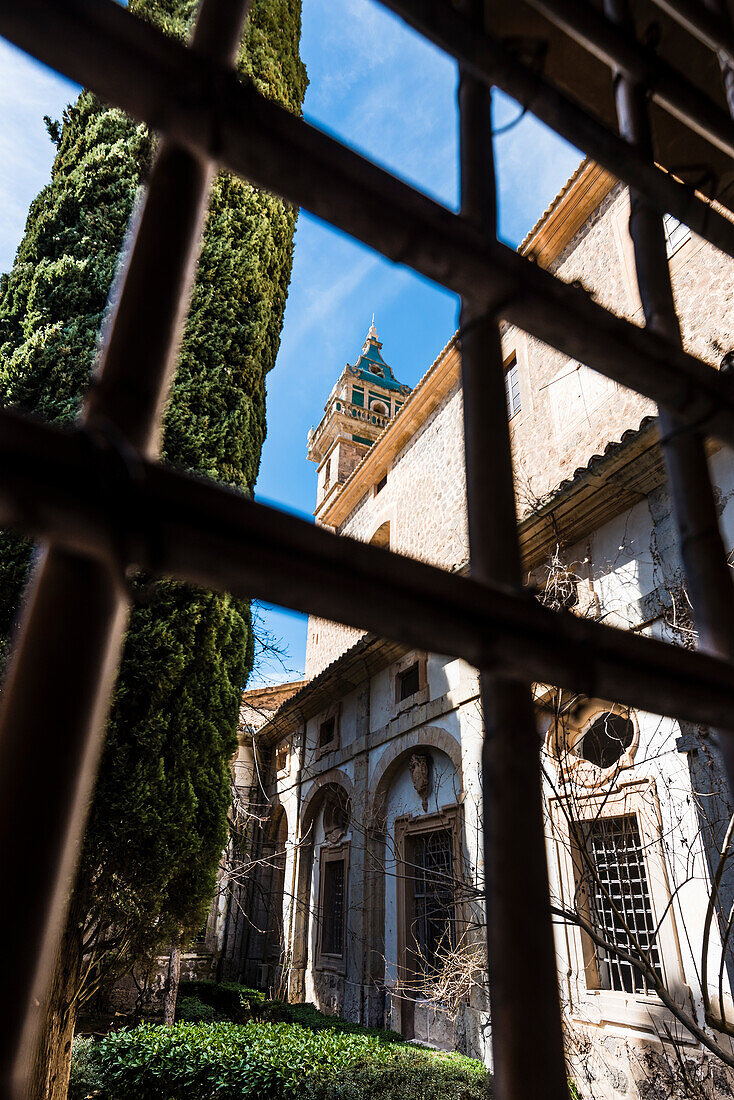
607	739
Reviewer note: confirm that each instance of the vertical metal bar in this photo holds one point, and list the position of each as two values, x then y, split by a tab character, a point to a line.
60	681
726	60
708	576
521	951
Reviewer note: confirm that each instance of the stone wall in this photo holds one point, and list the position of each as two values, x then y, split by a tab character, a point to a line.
424	503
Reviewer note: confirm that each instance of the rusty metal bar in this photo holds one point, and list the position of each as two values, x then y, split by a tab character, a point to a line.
725	50
701	19
520	948
206	109
708	575
105	49
489	60
668	87
73	625
58	484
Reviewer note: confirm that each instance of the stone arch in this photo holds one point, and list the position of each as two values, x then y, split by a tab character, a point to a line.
266	938
400	749
383	527
333	781
381	536
392	760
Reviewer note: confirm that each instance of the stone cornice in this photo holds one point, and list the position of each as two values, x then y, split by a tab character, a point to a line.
571	207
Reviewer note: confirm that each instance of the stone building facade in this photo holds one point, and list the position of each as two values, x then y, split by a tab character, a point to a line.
366	891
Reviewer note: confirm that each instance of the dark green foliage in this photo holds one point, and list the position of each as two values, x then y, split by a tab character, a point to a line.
409	1073
228	1000
239	1004
190	1010
261	1061
158	820
86	1076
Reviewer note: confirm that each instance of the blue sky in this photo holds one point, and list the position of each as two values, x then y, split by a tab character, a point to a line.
380	87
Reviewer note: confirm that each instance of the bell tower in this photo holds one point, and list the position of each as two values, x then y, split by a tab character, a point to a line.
362	403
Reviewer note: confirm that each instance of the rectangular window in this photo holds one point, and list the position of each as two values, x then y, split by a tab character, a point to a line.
676	234
358	397
327	474
333	906
281	756
327	732
512	388
432	921
408	682
618	896
381	484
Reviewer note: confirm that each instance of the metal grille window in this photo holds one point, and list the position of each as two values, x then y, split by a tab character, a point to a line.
512	389
676	234
333	907
620	906
433	916
101	504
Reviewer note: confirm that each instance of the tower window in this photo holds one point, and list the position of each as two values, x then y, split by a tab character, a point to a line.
512	388
381	484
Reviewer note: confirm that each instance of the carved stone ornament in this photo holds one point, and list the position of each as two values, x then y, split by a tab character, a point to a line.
419	767
336	818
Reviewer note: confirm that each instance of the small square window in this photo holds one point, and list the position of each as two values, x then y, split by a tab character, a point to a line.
327	732
381	484
512	388
408	682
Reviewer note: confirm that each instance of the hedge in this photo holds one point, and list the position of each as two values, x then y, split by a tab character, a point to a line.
268	1061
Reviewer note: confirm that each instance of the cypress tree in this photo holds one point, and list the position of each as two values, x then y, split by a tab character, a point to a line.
158	820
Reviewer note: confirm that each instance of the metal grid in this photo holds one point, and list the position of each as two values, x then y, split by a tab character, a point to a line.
57	486
619	902
332	934
433	897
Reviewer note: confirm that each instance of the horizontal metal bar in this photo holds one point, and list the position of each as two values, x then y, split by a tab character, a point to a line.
487	59
205	107
667	86
700	22
59	485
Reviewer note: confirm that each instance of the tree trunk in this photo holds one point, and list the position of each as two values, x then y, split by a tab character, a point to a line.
170	992
52	1063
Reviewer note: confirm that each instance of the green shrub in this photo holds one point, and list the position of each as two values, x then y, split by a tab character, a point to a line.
86	1077
229	1000
410	1074
254	1061
191	1010
307	1015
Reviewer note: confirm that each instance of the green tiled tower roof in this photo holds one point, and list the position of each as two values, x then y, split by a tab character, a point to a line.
372	368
